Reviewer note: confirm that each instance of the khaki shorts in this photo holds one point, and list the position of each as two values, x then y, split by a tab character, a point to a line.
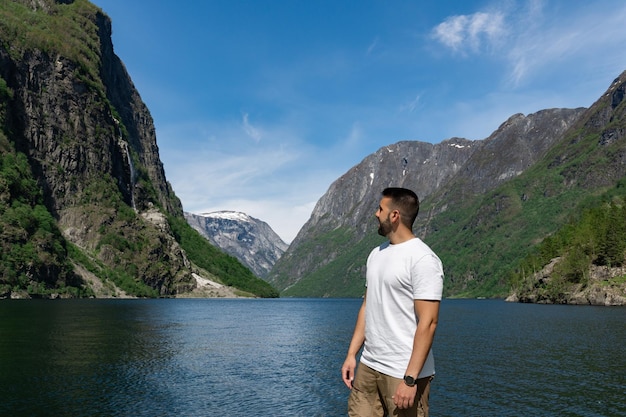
372	391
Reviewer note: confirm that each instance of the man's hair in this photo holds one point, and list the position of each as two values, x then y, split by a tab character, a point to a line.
405	201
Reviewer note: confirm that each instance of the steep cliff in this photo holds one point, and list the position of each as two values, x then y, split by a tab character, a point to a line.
71	108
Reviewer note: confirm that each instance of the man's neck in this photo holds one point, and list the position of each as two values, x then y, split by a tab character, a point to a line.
400	236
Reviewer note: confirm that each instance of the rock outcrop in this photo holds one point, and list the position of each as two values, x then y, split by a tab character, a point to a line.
604	286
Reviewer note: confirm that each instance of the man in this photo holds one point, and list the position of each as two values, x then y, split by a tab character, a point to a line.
397	320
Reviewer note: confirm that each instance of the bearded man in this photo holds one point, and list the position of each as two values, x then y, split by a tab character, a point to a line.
397	320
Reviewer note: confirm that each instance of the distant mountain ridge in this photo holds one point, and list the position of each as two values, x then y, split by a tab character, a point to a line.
475	197
250	240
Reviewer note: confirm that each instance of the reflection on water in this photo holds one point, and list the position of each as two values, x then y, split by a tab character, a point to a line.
172	357
78	356
283	357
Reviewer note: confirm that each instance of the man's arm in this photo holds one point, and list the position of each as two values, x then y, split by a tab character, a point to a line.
427	313
358	338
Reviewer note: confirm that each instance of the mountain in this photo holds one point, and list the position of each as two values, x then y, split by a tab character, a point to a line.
250	240
83	194
485	204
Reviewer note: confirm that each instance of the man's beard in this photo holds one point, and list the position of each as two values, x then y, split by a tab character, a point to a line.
384	227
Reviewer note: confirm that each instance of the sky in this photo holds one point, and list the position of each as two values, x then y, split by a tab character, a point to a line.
260	105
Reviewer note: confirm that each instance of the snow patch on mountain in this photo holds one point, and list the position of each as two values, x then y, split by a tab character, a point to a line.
250	240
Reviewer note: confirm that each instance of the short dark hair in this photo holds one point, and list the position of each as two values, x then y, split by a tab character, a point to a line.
405	201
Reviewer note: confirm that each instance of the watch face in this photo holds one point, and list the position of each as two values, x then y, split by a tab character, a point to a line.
409	380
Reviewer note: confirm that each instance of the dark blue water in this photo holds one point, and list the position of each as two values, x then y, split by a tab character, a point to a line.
283	358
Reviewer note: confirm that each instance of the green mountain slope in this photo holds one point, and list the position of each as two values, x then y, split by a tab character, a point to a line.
583	262
483	237
483	241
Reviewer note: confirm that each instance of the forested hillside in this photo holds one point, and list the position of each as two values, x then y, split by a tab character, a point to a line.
585	257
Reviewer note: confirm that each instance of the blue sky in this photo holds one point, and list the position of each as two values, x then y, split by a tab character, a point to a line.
260	105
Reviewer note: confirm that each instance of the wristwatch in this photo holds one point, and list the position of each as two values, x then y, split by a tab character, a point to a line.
409	380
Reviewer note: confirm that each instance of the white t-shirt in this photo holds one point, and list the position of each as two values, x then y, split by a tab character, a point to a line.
396	276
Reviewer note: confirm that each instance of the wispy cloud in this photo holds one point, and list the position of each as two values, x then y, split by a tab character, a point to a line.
471	33
531	39
250	130
591	35
411	105
372	46
354	136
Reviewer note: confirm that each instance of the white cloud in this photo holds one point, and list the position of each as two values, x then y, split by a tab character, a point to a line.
354	137
533	40
470	32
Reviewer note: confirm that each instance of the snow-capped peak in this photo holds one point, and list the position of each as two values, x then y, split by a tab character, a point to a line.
227	215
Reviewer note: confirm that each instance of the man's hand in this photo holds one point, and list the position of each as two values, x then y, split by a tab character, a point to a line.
404	396
347	371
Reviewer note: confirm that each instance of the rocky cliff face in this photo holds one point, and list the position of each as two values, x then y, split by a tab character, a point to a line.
352	199
90	140
605	123
471	167
250	240
73	123
514	147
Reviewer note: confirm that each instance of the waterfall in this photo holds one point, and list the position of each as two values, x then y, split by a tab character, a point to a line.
133	176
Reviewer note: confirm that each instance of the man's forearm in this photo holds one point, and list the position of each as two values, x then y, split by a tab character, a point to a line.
428	313
422	343
358	337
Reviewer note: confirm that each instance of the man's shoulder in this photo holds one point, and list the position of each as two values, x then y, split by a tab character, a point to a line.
419	244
